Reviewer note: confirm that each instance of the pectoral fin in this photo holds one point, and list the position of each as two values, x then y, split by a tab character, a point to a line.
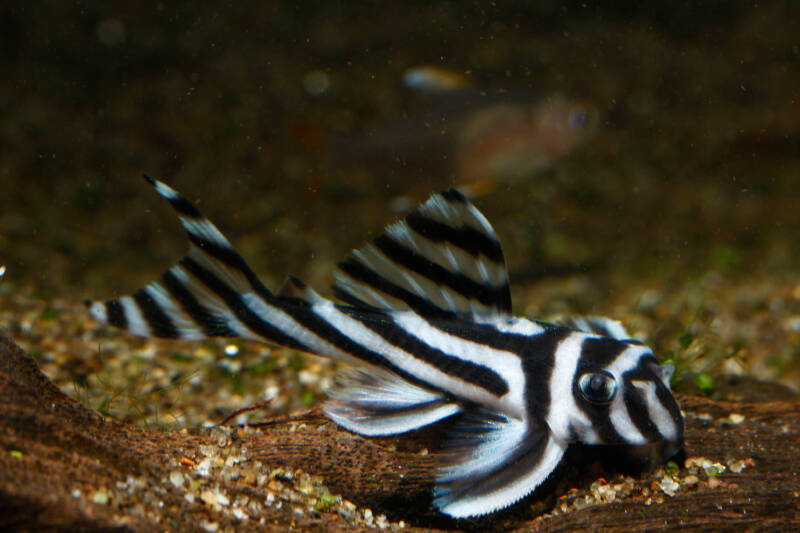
373	401
493	461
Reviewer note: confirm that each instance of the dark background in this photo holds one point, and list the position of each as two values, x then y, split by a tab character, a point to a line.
694	166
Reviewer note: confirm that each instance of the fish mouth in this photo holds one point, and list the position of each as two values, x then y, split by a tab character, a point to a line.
655	453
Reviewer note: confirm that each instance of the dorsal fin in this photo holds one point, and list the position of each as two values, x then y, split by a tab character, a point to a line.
598	325
443	259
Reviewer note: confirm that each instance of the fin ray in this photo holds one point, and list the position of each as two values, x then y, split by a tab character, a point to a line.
377	402
493	461
444	258
598	325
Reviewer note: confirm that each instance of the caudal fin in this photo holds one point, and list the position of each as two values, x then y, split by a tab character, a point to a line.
210	292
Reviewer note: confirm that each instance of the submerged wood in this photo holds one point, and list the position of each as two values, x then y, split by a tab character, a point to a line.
64	466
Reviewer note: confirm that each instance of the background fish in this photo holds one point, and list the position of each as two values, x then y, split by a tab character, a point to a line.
428	324
473	134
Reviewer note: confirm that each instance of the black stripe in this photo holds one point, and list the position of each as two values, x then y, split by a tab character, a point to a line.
115	314
470	240
478	375
224	253
519	462
671	404
360	272
523	345
234	302
635	403
454	196
213	326
179	203
160	324
184	207
637	410
304	314
598	353
538	363
341	294
495	297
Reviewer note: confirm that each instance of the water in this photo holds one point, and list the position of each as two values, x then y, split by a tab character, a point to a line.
678	215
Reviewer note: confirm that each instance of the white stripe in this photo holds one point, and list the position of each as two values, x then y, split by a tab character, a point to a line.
616	329
438	294
424	371
290	327
563	408
507	364
136	322
211	301
500	442
388	424
658	413
513	492
187	328
619	415
98	311
518	326
166	191
206	229
450	257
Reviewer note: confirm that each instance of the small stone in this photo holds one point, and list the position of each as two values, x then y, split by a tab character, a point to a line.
736	466
691	480
231	350
209	498
736	418
222	499
203	467
100	497
176	478
669	486
209	526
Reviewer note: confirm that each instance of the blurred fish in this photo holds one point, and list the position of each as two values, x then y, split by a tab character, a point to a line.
432	79
475	135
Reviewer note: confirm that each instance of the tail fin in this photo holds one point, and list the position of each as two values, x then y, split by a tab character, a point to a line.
208	293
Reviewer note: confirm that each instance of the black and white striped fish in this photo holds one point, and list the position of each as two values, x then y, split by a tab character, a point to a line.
427	322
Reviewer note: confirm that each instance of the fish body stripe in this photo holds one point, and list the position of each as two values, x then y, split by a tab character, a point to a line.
210	324
235	303
362	273
486	294
305	315
430	323
468	239
230	257
115	314
538	366
158	321
599	352
450	364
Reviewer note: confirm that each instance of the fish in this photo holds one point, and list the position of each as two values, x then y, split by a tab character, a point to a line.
479	136
424	317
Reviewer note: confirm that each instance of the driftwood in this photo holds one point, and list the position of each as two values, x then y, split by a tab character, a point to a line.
64	467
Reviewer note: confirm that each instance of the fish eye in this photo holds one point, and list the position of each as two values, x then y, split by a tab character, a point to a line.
598	387
578	119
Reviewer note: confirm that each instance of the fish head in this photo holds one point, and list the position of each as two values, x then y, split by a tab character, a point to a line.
623	397
563	124
513	140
